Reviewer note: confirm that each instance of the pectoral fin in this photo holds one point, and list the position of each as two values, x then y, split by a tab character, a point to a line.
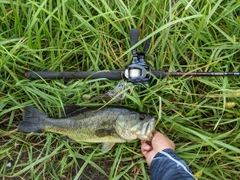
106	146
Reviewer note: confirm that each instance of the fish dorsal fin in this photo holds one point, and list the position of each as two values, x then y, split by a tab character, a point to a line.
104	132
106	146
72	109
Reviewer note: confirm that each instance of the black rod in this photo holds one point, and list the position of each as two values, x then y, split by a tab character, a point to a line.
111	75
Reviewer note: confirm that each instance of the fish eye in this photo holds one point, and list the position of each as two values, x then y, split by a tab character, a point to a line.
141	117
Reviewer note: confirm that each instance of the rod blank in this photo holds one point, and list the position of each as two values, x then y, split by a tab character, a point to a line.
202	73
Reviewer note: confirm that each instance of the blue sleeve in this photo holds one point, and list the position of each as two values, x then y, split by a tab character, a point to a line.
167	165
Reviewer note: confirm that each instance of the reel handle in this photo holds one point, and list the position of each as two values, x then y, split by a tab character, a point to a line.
134	34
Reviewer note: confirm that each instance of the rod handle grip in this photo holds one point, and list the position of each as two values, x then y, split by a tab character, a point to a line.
111	75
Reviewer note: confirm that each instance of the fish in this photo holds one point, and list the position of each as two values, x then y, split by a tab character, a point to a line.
107	125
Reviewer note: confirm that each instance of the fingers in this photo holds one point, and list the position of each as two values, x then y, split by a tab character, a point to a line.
147	151
146	148
146	145
158	143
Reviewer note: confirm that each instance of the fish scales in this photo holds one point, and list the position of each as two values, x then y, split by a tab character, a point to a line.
83	126
107	125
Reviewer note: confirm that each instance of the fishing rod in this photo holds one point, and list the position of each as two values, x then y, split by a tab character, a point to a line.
138	72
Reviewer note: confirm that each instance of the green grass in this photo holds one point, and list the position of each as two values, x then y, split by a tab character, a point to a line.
188	36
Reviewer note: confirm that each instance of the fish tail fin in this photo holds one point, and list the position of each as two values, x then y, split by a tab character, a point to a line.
32	120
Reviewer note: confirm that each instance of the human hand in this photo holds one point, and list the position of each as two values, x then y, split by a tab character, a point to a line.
151	148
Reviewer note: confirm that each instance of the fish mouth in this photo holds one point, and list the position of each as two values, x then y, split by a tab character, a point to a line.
147	130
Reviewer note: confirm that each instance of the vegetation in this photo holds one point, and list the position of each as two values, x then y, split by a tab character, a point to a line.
200	114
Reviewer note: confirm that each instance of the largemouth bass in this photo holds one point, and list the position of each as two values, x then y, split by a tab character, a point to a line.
108	125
